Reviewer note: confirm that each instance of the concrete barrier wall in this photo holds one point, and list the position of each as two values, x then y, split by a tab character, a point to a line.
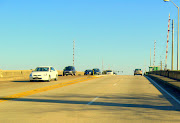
14	73
25	73
167	73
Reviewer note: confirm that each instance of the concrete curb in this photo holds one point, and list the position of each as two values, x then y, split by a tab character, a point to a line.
165	81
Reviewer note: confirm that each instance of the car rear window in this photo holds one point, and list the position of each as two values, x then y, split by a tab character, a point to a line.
68	68
42	69
96	69
109	70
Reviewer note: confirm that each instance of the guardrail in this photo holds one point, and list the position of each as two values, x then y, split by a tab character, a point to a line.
167	73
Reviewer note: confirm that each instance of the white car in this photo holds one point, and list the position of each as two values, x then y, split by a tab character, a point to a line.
44	73
109	72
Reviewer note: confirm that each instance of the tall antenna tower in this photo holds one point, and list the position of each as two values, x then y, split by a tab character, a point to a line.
167	43
73	51
154	52
172	62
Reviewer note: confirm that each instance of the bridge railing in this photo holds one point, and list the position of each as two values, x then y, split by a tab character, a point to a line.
167	73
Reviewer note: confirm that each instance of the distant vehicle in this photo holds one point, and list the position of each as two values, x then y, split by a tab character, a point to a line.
137	72
69	70
44	73
109	72
88	72
104	72
114	73
96	71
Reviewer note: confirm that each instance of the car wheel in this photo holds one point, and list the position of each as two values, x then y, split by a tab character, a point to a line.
56	79
49	79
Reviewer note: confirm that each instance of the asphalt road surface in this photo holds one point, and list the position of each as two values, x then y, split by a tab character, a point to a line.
86	99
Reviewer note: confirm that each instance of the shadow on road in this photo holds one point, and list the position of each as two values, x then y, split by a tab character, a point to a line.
100	104
21	81
28	81
135	101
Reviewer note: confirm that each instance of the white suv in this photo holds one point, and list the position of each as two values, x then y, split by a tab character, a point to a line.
45	73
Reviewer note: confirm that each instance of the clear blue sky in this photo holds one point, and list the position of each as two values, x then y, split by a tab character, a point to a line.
121	32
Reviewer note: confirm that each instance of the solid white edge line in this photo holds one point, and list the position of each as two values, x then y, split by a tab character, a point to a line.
165	91
92	101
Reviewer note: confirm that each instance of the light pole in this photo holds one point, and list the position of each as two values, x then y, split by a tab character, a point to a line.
73	51
177	34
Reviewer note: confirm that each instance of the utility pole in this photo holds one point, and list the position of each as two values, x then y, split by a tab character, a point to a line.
177	33
145	65
102	65
161	65
178	42
73	51
172	62
150	56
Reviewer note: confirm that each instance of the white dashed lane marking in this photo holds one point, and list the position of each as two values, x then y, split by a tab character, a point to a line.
92	101
115	84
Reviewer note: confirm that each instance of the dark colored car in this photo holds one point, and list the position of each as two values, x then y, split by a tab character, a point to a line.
96	71
69	70
114	73
88	72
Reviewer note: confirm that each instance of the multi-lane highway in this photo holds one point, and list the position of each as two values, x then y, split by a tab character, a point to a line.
106	99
